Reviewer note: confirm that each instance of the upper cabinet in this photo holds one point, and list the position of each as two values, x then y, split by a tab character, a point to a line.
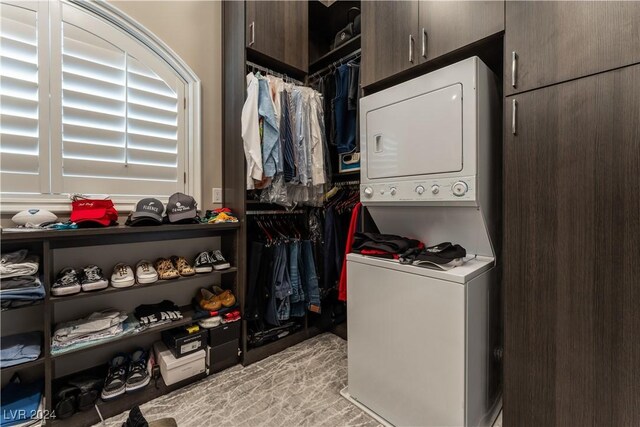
449	25
551	42
397	35
389	32
279	30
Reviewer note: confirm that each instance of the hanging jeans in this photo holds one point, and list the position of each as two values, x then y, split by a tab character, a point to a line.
344	117
310	278
297	295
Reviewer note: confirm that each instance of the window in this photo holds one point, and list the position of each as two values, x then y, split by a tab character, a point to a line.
92	103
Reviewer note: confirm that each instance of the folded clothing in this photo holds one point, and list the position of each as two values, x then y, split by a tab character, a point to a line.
443	256
20	348
21	288
150	314
19	263
128	327
384	244
20	402
100	324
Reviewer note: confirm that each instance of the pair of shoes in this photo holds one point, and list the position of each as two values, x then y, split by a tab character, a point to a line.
173	268
70	281
232	316
127	373
214	301
123	277
206	262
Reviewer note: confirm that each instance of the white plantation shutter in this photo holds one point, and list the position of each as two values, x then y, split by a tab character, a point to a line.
122	130
23	101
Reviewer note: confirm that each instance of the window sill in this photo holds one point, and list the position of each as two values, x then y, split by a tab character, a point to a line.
11	205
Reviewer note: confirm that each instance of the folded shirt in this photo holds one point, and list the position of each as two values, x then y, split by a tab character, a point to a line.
389	243
18	263
20	348
101	323
20	402
149	314
21	288
128	327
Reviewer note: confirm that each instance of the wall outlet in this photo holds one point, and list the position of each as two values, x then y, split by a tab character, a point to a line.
216	195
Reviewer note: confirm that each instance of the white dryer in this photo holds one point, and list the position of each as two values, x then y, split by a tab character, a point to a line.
422	343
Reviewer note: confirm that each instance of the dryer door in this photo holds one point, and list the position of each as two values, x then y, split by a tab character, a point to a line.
417	136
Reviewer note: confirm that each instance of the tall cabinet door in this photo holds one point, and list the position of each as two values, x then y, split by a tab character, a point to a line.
296	34
449	25
571	245
559	41
389	38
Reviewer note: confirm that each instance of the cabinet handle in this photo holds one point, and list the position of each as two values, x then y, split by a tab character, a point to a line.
252	26
424	43
411	42
514	112
514	68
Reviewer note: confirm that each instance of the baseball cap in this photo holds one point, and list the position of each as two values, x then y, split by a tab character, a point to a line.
182	208
148	211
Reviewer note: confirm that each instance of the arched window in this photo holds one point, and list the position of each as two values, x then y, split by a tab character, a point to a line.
92	103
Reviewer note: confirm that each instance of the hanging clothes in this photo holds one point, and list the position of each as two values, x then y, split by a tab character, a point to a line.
353	228
345	118
251	132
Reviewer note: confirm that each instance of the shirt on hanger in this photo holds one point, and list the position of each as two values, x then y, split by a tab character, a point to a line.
251	132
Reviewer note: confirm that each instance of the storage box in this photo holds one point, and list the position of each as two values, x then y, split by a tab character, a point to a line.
180	342
224	333
222	356
174	370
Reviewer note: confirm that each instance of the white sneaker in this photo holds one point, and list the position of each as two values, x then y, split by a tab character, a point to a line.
145	272
122	276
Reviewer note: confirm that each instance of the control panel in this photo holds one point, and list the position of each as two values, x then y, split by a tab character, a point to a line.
458	189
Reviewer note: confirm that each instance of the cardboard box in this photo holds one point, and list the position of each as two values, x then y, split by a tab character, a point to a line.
181	343
174	369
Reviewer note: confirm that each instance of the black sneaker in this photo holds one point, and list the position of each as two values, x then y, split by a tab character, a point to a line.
138	376
203	263
135	418
115	383
92	279
67	282
219	263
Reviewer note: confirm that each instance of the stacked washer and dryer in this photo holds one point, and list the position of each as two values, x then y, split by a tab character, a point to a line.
423	344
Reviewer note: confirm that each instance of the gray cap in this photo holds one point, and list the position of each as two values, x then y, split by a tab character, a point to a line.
181	206
148	208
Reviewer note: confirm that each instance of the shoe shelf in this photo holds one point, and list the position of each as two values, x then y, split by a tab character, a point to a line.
23	307
111	290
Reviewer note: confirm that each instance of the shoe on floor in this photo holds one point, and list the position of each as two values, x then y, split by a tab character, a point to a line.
138	376
92	279
136	419
226	298
122	276
165	269
182	265
208	300
203	263
145	273
67	282
116	381
219	263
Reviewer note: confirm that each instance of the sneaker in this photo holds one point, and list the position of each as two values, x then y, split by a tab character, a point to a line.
230	317
138	376
165	269
182	265
67	282
122	276
226	298
115	383
208	300
210	322
203	263
145	273
219	263
92	279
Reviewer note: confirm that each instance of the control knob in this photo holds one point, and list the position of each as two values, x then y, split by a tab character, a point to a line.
368	191
420	189
393	191
459	189
435	189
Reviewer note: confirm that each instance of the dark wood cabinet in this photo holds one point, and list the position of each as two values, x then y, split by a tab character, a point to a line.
279	30
446	26
559	41
571	245
389	37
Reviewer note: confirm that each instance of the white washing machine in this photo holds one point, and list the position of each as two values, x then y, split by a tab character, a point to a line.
422	343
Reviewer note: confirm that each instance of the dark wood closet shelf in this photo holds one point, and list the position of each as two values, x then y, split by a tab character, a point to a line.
24	307
125	402
8	371
187	319
111	290
335	54
258	353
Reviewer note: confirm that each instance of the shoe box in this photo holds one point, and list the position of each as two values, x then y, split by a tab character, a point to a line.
183	341
174	369
223	346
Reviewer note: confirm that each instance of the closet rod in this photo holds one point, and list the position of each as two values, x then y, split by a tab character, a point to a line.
345	58
274	212
273	73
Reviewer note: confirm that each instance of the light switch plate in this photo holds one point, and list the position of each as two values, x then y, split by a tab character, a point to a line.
217	195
